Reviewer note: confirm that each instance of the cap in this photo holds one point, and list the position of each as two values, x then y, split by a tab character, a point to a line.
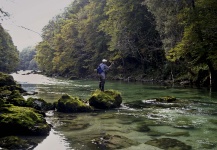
104	60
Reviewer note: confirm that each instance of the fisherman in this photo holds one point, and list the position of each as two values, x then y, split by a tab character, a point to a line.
101	70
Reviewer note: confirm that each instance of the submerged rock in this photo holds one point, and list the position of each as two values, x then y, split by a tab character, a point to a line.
110	142
162	102
16	120
73	125
142	127
168	143
105	100
183	123
71	104
14	142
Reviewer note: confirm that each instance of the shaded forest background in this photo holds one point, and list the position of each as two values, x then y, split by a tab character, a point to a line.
146	39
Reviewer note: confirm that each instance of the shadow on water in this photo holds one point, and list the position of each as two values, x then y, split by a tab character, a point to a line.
140	123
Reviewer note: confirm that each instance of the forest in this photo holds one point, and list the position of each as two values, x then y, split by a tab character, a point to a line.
145	39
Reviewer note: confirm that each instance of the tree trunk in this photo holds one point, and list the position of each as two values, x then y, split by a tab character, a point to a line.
213	75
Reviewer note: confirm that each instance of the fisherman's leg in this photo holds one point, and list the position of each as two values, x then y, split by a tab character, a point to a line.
102	84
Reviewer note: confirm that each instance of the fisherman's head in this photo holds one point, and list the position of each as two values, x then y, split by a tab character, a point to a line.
104	60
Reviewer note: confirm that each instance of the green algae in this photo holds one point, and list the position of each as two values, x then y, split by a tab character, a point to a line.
71	104
22	121
105	100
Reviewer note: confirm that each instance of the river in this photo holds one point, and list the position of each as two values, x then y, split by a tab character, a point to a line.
194	123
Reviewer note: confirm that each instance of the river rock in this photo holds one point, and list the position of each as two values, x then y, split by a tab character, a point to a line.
169	144
110	142
71	104
16	120
142	127
39	104
14	142
6	79
16	99
105	100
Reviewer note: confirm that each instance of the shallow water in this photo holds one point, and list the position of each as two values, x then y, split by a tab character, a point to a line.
194	123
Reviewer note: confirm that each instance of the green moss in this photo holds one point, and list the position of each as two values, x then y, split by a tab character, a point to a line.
2	102
22	120
39	104
16	99
167	99
14	142
105	100
6	79
72	104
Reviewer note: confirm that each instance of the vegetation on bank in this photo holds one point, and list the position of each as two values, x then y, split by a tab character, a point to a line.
27	59
149	39
9	55
146	40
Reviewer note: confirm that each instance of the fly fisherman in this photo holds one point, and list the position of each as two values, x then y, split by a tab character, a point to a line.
101	70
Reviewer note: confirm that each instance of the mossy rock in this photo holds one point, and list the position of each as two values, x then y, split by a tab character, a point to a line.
16	99
167	99
72	104
2	102
169	144
16	120
14	142
12	88
105	100
39	104
6	79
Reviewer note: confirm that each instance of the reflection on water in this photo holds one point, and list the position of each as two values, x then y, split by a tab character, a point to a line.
193	122
55	141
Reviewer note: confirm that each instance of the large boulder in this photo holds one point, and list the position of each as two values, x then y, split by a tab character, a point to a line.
105	100
39	104
6	79
16	120
70	104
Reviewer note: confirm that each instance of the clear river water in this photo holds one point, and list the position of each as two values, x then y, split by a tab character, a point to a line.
193	122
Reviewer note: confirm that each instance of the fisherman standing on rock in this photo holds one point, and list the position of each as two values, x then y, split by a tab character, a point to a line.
101	70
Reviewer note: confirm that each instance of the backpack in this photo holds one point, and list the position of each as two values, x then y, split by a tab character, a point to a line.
99	70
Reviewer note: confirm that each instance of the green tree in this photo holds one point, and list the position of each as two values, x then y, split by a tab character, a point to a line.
134	39
27	59
9	58
199	42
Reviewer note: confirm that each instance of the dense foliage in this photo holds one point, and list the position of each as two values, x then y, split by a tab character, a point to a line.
27	59
188	32
9	58
90	30
145	38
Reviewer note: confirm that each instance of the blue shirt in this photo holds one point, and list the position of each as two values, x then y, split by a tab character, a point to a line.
104	68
